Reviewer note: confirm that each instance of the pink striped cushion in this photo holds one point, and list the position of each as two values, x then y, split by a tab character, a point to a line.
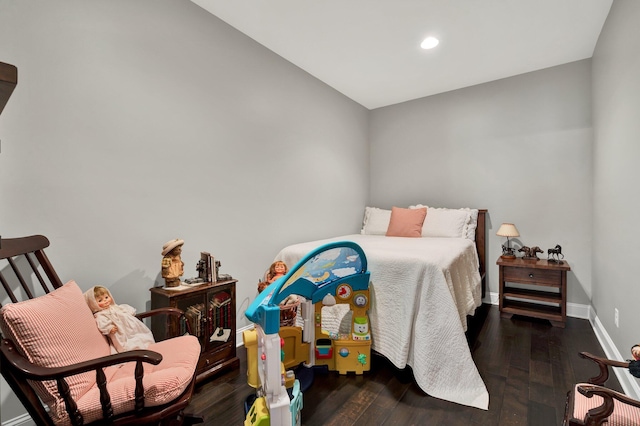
162	383
623	414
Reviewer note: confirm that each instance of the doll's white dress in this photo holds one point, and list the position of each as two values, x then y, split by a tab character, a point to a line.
132	333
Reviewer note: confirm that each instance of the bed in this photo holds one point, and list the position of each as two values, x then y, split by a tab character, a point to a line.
422	290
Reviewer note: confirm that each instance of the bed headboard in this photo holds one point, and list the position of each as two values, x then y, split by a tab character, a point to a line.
481	246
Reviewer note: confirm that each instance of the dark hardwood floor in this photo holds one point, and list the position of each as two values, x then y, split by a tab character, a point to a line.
527	365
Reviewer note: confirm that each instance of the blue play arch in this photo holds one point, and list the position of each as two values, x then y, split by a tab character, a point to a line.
317	274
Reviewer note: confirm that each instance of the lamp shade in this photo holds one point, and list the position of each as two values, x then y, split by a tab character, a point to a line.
508	230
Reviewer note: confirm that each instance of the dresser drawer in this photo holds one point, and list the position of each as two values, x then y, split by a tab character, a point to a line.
208	360
533	276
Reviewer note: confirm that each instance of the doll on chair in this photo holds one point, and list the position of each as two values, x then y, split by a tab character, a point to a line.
117	322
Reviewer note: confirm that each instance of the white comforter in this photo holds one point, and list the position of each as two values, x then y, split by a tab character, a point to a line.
421	292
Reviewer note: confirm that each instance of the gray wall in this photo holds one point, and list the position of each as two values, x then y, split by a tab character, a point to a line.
519	147
136	122
616	112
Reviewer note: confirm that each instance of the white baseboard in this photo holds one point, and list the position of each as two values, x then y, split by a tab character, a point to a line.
23	420
577	310
492	298
239	331
629	383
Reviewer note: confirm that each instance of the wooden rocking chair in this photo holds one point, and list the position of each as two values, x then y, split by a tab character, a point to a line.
59	364
592	404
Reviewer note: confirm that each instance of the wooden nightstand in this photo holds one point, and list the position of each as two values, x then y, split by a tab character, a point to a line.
210	309
546	293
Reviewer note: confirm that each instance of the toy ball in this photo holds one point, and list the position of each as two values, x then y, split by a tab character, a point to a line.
344	352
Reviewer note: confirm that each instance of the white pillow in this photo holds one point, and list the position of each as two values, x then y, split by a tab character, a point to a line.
472	224
376	221
418	206
449	223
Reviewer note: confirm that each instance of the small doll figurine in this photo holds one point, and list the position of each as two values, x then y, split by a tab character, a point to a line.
172	264
276	270
117	322
635	352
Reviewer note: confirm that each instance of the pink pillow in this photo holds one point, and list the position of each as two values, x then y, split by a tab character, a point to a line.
406	222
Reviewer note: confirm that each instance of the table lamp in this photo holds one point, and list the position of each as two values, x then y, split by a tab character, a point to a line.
508	230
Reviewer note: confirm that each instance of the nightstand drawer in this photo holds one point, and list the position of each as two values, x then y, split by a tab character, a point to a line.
533	276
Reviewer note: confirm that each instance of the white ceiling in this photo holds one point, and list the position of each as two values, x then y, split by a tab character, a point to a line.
369	50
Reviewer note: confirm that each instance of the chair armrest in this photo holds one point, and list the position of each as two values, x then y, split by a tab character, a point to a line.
589	390
36	372
166	311
598	415
603	364
26	370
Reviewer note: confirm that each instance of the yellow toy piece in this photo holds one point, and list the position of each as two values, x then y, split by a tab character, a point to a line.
258	414
250	338
295	349
289	379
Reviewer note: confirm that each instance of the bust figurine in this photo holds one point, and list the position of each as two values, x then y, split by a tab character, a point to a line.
172	264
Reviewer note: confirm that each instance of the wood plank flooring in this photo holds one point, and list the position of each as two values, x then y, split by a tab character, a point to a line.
527	365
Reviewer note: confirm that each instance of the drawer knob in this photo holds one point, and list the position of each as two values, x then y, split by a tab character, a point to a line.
530	275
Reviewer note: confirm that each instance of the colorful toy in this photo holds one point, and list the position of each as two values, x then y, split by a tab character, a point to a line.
335	273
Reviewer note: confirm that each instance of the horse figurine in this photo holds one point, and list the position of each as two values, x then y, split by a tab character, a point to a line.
535	250
507	251
530	253
553	254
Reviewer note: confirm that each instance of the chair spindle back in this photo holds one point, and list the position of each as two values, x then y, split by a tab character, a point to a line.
22	263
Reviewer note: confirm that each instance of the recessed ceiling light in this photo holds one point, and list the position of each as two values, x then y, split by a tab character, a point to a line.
429	43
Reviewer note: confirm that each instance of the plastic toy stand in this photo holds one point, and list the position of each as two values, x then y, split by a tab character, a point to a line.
333	273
